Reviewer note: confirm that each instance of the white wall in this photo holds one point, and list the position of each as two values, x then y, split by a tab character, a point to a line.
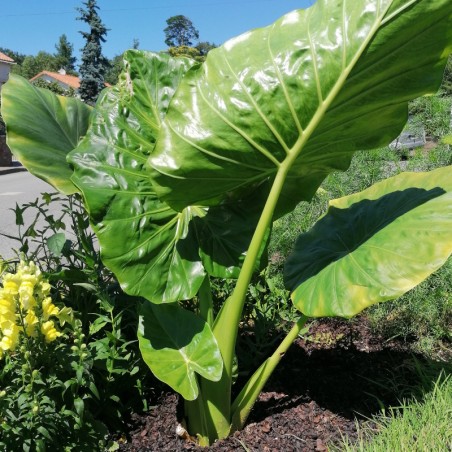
4	72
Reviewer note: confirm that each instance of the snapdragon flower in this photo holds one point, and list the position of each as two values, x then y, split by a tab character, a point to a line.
26	308
49	331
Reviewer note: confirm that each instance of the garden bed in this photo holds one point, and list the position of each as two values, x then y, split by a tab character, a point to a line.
323	388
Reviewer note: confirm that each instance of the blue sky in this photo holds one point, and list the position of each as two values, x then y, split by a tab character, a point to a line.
28	26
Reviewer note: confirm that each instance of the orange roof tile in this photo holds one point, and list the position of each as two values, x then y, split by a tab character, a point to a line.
6	58
69	80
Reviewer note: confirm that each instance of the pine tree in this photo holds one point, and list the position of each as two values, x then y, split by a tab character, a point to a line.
94	64
64	58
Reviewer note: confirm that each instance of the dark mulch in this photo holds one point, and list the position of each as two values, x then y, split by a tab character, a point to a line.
320	390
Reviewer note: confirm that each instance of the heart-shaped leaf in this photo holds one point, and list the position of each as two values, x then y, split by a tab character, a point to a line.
176	344
143	241
297	98
374	245
42	128
152	249
224	235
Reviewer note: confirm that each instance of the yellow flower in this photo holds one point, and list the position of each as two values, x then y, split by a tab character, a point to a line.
44	288
10	337
21	293
49	309
27	299
6	343
10	287
7	308
30	323
49	331
31	279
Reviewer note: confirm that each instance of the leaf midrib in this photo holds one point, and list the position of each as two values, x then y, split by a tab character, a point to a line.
299	145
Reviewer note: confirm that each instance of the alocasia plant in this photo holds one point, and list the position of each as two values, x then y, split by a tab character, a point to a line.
185	166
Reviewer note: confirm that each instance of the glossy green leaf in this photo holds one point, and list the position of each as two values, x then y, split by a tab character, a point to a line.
42	128
299	97
374	245
145	243
160	252
224	235
176	344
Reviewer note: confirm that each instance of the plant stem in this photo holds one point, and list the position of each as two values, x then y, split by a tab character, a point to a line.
205	301
217	395
245	400
226	325
195	411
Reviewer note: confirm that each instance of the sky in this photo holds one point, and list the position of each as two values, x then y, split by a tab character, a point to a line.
28	26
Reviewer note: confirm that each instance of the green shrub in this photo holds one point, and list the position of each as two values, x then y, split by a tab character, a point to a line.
92	377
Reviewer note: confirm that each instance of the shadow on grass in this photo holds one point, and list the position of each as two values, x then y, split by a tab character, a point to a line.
347	381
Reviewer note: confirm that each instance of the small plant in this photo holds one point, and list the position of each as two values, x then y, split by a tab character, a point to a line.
44	381
184	167
97	355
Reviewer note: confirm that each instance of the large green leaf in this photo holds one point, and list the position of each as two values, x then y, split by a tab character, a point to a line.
148	246
373	246
175	344
224	234
159	252
42	128
299	97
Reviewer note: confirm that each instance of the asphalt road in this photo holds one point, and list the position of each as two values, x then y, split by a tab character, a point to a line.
20	188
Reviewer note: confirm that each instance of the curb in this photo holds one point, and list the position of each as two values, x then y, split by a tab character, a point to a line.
13	169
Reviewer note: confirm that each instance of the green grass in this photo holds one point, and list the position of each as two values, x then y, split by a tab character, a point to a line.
414	426
422	316
431	113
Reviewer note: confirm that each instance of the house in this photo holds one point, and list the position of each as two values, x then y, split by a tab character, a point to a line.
64	80
5	67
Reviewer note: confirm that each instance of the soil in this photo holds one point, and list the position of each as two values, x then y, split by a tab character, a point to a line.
323	389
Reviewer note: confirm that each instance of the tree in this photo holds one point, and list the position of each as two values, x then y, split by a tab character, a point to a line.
2	123
33	65
94	64
64	58
205	47
198	53
180	32
115	66
184	51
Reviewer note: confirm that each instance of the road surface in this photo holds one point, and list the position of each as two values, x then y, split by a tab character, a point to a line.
20	188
